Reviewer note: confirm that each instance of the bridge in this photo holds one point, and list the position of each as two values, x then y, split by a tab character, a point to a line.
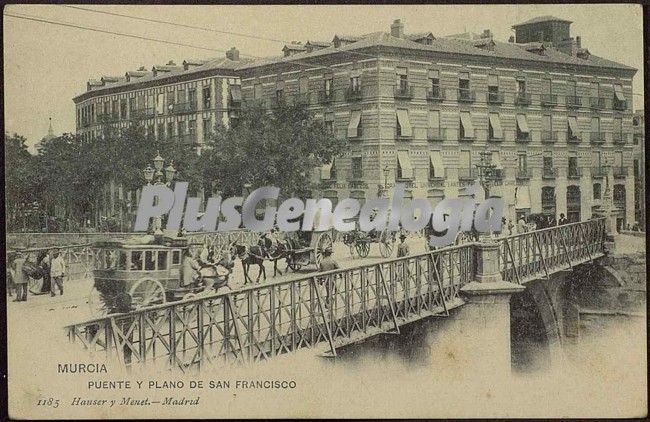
332	309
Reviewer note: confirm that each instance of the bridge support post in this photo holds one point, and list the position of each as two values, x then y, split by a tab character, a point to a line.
485	319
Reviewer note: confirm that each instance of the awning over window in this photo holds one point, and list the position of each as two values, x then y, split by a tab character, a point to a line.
326	171
573	124
618	92
405	124
496	160
235	92
493	80
434	74
522	197
495	122
355	118
436	162
404	163
522	123
466	121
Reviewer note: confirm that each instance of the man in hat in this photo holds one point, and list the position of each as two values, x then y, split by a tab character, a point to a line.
403	247
328	263
563	220
20	278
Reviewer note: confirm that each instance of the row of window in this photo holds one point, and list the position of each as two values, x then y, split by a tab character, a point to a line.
467	169
148	106
404	129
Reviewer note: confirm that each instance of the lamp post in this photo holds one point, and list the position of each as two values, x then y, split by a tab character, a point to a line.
486	178
157	176
382	191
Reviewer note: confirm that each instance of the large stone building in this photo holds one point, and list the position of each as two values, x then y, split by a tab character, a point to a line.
638	127
555	120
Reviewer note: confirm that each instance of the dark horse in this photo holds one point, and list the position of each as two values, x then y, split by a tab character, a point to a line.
250	255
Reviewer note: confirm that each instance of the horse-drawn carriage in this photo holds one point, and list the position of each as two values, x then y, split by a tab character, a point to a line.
359	241
130	276
304	248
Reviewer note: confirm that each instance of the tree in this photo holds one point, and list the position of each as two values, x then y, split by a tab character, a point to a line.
280	149
21	187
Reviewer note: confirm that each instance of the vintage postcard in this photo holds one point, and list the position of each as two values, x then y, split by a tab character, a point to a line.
325	211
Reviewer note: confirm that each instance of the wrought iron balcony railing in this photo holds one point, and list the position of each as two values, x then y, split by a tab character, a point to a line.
597	138
492	138
573	138
619	138
523	174
549	136
523	137
436	134
574	173
495	98
620	105
403	92
573	101
181	108
353	94
435	94
598	172
522	99
549	173
596	103
620	172
466	95
549	100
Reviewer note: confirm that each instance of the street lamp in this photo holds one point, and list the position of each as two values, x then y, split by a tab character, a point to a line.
487	176
383	190
156	173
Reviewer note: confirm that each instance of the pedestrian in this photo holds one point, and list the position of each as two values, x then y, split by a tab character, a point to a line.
190	270
44	261
204	255
11	286
403	247
20	278
521	225
57	272
562	220
511	227
328	264
636	227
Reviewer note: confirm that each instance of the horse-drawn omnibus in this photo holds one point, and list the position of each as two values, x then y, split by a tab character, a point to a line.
146	272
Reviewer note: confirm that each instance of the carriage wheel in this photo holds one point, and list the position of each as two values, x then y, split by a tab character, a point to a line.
363	248
324	242
386	244
97	306
147	292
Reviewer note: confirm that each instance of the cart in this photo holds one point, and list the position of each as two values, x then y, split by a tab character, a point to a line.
359	241
134	275
305	248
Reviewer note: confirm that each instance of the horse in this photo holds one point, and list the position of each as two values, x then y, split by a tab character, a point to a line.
249	255
274	251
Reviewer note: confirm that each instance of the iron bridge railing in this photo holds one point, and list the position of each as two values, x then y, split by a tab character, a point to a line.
332	308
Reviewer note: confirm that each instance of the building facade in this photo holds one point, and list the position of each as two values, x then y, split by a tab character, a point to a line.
638	127
555	120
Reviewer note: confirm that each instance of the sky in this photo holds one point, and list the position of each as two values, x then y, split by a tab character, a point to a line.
45	65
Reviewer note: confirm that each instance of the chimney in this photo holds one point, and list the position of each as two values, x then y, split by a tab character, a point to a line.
232	54
579	41
397	29
511	39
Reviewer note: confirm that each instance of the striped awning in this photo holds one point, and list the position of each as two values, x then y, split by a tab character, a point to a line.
522	197
618	92
522	123
495	121
466	121
404	163
404	122
355	118
436	162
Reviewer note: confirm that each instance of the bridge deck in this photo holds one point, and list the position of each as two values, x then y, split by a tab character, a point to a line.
332	308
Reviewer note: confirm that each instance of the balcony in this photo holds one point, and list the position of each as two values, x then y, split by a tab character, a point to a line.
598	172
549	100
620	172
465	138
492	138
573	102
523	174
325	97
596	103
619	105
400	137
572	138
184	108
436	134
523	137
597	138
353	94
403	92
495	98
466	96
302	99
618	139
522	99
549	173
435	94
142	113
107	118
574	173
549	137
467	173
